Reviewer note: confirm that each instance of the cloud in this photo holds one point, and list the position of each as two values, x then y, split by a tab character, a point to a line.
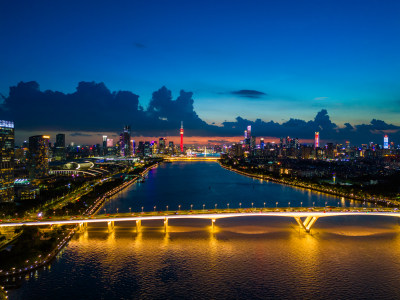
80	134
139	45
94	108
249	93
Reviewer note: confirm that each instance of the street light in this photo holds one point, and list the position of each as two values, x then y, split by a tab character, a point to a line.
301	204
179	207
228	205
289	204
326	203
276	204
154	208
264	204
215	206
105	211
191	206
313	204
129	210
142	208
167	207
117	210
252	204
240	205
203	206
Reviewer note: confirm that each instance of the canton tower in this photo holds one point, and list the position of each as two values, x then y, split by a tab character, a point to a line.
181	131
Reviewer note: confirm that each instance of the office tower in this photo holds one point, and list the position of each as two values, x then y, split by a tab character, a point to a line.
110	143
125	142
262	143
133	147
6	161
171	148
245	134
249	131
253	143
104	144
59	147
161	145
147	149
38	163
316	143
386	142
181	132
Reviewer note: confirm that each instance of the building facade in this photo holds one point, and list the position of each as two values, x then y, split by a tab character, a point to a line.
38	163
6	161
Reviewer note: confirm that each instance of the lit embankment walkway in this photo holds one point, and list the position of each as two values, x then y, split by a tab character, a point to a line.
310	215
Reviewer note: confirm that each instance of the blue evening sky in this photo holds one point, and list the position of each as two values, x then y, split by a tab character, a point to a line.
305	55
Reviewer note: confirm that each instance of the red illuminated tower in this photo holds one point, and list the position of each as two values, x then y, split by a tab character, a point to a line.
181	131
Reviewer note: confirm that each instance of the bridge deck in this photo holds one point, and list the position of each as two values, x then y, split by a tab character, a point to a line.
206	215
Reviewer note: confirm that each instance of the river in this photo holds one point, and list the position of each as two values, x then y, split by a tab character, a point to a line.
246	258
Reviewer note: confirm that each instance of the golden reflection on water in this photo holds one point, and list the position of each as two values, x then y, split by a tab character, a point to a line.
238	258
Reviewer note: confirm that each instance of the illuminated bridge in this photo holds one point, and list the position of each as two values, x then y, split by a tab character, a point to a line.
192	158
308	221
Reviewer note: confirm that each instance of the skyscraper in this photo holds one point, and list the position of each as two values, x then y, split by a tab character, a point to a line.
104	144
249	131
161	145
262	144
38	164
6	161
60	147
125	142
316	143
181	132
386	142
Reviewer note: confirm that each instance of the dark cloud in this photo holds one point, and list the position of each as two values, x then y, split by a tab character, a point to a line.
249	93
139	45
80	134
94	108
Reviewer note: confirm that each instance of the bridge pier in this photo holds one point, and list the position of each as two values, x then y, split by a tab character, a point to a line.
212	224
111	226
165	224
138	225
82	227
307	224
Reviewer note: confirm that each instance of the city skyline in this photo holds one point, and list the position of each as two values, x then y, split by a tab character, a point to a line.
161	118
240	61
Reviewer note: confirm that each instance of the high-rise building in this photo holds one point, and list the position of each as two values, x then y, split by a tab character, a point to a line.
316	143
110	143
125	142
6	161
133	147
147	149
161	145
171	148
262	143
104	144
38	163
59	147
386	142
181	132
253	143
245	134
249	131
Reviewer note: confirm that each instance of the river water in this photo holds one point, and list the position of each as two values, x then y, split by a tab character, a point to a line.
242	258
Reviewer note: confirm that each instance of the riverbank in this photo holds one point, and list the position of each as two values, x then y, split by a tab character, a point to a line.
331	191
46	258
